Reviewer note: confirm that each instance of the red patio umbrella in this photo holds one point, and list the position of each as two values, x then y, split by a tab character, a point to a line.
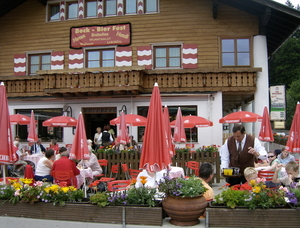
130	120
194	121
123	136
19	119
60	121
155	155
79	148
293	143
170	145
240	117
32	134
265	133
179	132
7	154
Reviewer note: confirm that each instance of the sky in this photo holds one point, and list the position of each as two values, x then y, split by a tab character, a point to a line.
294	2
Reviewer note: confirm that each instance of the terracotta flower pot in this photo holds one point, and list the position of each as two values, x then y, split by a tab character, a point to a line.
184	211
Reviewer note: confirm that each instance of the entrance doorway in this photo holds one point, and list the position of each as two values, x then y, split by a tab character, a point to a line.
98	117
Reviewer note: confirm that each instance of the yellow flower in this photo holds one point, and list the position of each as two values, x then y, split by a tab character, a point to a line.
65	189
12	180
47	189
256	189
54	188
17	185
143	181
26	180
143	177
133	181
72	188
252	183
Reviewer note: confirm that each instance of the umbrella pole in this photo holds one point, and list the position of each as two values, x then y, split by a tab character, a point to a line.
3	174
84	184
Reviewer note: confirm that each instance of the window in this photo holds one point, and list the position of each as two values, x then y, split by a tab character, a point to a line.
39	62
91	8
130	6
235	52
111	7
45	133
72	10
151	6
100	58
191	133
167	57
53	12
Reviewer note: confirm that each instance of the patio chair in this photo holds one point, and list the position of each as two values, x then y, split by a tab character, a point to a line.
103	163
118	185
126	171
192	167
134	173
64	176
113	174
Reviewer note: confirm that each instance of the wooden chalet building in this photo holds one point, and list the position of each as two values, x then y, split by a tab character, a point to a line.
209	57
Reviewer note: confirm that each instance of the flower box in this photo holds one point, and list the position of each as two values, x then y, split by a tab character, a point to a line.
240	217
84	212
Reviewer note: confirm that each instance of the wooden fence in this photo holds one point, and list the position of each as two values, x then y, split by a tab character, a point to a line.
180	159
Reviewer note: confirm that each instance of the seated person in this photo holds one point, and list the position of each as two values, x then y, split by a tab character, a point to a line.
152	178
285	157
132	143
206	174
65	164
62	149
250	173
54	146
292	169
37	148
20	155
273	162
91	163
43	167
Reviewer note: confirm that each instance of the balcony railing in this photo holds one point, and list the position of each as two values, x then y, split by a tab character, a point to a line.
130	82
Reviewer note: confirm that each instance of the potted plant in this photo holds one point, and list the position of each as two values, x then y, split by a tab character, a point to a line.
183	199
100	199
260	205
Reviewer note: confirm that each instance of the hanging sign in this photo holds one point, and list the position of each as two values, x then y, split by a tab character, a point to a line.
277	94
100	35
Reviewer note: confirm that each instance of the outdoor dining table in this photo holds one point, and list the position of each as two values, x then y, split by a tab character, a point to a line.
85	174
33	158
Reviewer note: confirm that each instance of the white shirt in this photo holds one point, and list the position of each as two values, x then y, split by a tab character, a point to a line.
151	181
263	155
110	137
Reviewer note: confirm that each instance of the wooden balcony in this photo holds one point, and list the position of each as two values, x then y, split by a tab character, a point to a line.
132	82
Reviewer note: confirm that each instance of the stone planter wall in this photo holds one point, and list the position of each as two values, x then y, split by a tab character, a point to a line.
84	212
243	217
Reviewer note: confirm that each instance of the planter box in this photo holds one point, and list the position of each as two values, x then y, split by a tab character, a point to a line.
84	212
243	217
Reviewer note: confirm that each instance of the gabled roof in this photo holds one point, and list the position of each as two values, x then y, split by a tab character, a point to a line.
277	21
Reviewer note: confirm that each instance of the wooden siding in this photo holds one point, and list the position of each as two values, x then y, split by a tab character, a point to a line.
25	29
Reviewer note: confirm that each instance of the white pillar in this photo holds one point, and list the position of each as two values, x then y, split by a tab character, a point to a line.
261	96
248	126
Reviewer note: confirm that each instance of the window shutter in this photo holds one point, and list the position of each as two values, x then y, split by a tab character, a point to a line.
190	56
120	7
20	65
123	56
140	6
100	8
75	59
57	60
62	11
145	56
80	9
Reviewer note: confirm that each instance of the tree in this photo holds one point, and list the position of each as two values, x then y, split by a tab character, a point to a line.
289	4
292	97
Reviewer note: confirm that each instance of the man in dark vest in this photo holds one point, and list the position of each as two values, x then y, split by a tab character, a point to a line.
241	150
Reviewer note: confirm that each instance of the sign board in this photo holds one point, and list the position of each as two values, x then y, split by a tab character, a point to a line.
100	35
277	94
279	124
